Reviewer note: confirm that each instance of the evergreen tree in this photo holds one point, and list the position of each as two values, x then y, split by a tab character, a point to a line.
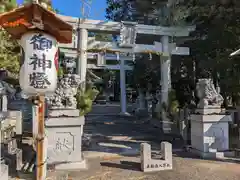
216	36
9	49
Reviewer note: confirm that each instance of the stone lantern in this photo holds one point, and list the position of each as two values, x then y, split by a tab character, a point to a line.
38	31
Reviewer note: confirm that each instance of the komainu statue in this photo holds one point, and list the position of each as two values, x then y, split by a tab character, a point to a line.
207	94
65	94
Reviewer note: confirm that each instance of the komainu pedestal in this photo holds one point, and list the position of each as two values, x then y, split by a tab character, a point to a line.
210	123
64	137
4	171
64	125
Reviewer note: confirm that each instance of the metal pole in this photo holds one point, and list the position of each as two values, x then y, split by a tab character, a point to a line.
41	159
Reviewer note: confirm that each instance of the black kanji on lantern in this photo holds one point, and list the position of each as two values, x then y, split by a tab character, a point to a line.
40	62
39	80
40	42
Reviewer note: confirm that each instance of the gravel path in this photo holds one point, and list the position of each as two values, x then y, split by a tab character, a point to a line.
127	132
128	169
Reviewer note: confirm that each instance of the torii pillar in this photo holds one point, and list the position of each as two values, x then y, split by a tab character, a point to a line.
82	54
165	70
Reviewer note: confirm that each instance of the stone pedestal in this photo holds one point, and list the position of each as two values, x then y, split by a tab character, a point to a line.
166	123
184	125
4	172
64	137
210	132
150	165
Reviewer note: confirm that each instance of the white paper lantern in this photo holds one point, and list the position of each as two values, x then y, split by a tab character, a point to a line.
38	73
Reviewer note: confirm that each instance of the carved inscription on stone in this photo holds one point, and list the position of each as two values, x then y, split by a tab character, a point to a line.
64	143
148	164
158	165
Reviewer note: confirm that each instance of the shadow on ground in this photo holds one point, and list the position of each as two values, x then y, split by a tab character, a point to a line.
123	135
189	155
131	166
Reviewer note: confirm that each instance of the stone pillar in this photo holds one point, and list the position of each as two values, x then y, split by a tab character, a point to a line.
82	56
4	171
184	116
123	88
165	82
4	103
165	70
34	120
141	100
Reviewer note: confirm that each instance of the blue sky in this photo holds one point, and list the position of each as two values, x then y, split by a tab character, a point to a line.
73	8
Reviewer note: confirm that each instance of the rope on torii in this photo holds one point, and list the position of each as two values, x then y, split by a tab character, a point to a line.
93	75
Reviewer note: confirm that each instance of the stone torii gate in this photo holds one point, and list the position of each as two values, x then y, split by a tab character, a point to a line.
128	32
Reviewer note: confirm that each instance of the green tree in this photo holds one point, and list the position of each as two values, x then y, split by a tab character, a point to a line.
9	49
216	36
103	37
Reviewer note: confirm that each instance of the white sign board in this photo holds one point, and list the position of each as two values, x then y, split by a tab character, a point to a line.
38	73
128	34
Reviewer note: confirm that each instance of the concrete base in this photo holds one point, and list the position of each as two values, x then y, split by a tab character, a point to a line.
3	172
64	138
124	114
210	110
72	166
150	165
213	155
166	127
210	133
